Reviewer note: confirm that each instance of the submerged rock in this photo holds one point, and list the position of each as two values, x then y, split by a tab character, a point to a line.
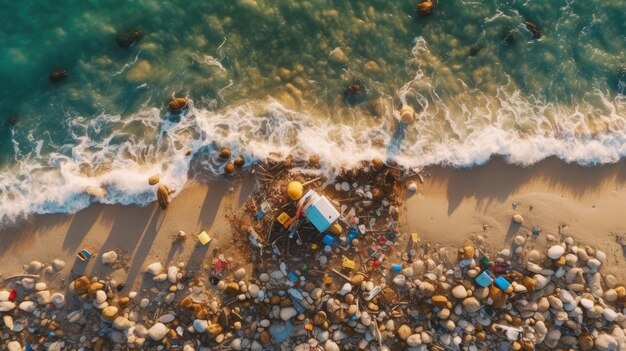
57	76
129	38
425	7
177	104
534	29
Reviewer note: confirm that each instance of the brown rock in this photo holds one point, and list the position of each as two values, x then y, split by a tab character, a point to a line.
110	313
265	337
225	153
357	279
377	163
177	104
319	318
229	168
387	295
239	161
214	329
81	285
586	342
232	288
440	301
529	283
275	300
93	287
314	161
425	7
468	251
154	179
186	302
404	331
163	196
621	292
57	76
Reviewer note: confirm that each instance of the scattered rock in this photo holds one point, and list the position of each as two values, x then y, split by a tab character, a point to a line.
518	219
58	75
128	39
155	268
158	331
109	258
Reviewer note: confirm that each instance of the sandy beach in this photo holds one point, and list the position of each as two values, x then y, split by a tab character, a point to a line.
451	206
535	223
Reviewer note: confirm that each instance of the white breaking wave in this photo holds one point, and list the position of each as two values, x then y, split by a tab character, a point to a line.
460	128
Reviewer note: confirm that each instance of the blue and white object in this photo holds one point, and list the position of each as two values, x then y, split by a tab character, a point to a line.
319	210
485	279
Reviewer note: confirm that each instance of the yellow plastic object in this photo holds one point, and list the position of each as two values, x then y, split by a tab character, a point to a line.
335	229
347	263
204	238
327	280
415	237
283	218
314	247
294	190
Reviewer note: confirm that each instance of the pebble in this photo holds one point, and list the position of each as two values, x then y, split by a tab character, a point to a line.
144	303
34	267
286	313
556	251
43	297
200	325
459	292
109	258
158	331
28	283
155	268
28	306
517	218
58	264
399	280
172	274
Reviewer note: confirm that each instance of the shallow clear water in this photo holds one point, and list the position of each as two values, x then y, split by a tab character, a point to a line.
262	79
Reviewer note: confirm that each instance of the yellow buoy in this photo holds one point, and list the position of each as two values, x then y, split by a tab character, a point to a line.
294	190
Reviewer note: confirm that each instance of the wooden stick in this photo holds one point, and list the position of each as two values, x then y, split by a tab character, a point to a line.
311	181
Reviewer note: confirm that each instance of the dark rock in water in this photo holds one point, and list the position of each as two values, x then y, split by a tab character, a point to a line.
57	76
239	161
177	104
474	50
225	153
533	28
509	36
127	39
354	93
13	119
229	168
425	7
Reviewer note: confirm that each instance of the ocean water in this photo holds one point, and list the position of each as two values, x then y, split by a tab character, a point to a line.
269	77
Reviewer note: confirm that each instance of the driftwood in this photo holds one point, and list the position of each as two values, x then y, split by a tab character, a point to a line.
22	276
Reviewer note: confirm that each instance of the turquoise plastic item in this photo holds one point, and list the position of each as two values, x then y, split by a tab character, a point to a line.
485	279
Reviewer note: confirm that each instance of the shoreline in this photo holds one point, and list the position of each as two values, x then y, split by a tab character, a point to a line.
452	205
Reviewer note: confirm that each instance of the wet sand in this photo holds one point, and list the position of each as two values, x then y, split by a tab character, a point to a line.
449	207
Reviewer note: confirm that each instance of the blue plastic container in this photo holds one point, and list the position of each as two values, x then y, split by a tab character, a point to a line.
396	267
502	283
328	239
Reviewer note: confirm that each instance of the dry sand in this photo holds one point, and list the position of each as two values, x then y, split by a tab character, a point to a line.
454	204
451	206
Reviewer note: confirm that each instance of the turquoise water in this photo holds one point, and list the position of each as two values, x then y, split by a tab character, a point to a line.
270	76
